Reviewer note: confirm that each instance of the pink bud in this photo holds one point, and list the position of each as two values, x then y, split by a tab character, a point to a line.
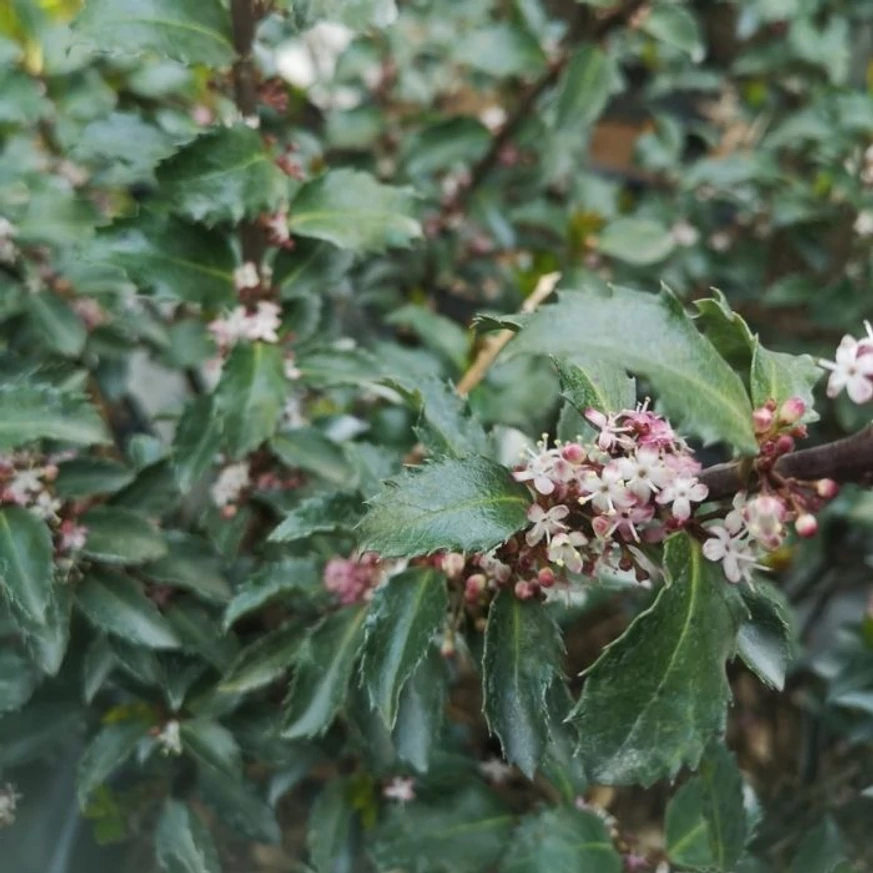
50	472
447	647
229	511
546	577
806	525
474	586
762	418
784	445
771	405
524	590
573	453
792	410
453	564
827	489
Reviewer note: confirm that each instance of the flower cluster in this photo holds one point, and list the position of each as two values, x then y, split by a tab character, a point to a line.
26	481
353	579
852	367
597	506
262	323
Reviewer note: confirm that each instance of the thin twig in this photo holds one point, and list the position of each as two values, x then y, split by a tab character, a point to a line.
495	344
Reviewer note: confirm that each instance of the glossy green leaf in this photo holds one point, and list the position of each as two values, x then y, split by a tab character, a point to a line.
766	640
706	820
674	25
199	633
212	744
324	669
311	268
116	604
671	694
822	850
121	536
561	839
46	643
239	805
638	241
522	659
271	655
26	556
194	33
594	386
779	376
18	680
584	88
435	331
183	843
270	583
501	50
251	395
330	830
307	448
353	211
405	615
177	260
356	14
32	411
324	513
198	439
190	564
420	712
651	335
223	176
106	753
56	324
461	832
468	505
86	477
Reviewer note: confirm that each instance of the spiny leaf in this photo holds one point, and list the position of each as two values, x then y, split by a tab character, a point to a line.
650	335
405	615
469	505
121	536
420	712
107	751
647	728
324	513
265	660
523	648
183	843
26	557
766	638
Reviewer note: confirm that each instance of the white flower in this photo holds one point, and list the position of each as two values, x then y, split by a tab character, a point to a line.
864	223
684	233
545	522
852	369
734	554
170	738
246	276
764	516
537	471
292	371
400	788
231	328
25	485
495	771
608	491
493	117
9	798
681	493
46	506
495	568
644	472
230	483
564	550
265	323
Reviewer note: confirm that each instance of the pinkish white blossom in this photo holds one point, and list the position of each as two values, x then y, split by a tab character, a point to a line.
680	493
495	771
401	789
231	482
545	522
733	552
564	550
246	277
852	368
264	323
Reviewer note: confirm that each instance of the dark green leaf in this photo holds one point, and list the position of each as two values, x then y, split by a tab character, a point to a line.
238	803
251	395
121	536
194	33
183	843
18	680
594	386
676	26
650	335
584	88
706	820
106	753
270	583
324	513
523	650
116	604
331	829
198	439
265	660
26	556
199	633
420	712
193	566
648	727
225	175
822	850
57	324
501	50
464	832
211	744
405	615
638	241
31	412
356	14
86	477
468	505
561	839
766	638
310	268
353	211
325	665
437	332
307	448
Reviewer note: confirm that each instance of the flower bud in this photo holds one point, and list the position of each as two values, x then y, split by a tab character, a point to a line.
573	452
546	577
771	405
453	564
806	525
762	418
827	489
229	511
524	590
792	410
784	445
474	586
447	646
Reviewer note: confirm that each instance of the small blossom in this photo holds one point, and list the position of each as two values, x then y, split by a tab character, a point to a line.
292	371
564	550
452	564
493	117
170	738
764	516
265	323
734	554
401	789
230	483
46	506
607	490
246	277
9	798
852	369
644	472
864	223
762	419
680	494
792	410
495	771
25	486
684	233
545	522
73	536
806	525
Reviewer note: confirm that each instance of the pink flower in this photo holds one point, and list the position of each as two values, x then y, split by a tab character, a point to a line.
734	554
545	522
644	472
681	493
764	516
607	490
73	536
401	789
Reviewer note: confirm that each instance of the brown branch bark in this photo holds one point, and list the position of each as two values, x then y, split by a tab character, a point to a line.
846	460
592	29
245	16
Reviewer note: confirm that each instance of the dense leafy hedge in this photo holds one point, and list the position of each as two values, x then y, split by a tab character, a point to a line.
384	484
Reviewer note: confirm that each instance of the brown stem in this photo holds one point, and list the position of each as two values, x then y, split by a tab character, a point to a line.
846	460
593	32
245	83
